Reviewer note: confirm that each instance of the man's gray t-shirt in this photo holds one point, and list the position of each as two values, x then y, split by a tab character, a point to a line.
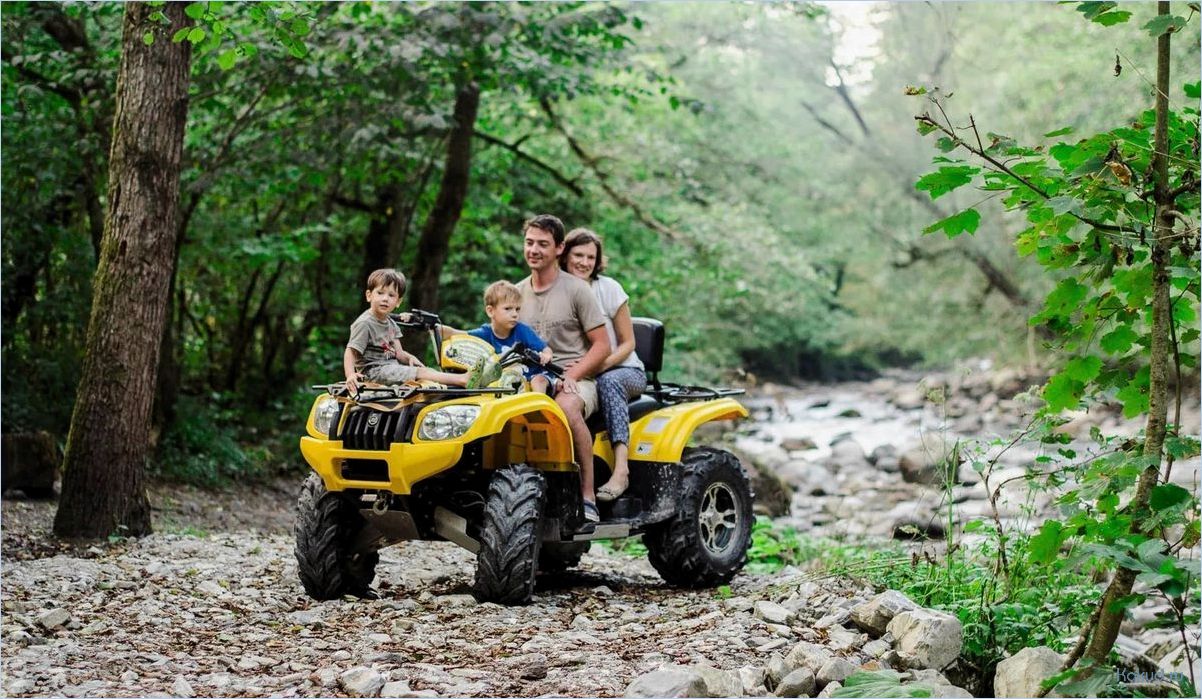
375	340
562	315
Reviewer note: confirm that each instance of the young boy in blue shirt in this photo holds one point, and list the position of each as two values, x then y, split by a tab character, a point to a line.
502	303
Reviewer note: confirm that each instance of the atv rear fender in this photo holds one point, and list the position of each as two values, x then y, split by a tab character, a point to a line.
662	435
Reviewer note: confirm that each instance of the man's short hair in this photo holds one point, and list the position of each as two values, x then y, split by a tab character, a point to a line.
548	223
500	292
386	277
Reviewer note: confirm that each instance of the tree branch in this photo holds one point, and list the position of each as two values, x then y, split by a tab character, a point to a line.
1002	167
603	178
516	150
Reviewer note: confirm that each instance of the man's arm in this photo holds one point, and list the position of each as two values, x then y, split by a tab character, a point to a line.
598	350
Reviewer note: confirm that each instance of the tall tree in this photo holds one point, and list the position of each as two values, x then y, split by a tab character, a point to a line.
108	443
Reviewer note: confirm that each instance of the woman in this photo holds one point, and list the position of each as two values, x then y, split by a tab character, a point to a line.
621	376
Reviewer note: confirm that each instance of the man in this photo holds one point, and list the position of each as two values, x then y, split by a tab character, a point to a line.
564	312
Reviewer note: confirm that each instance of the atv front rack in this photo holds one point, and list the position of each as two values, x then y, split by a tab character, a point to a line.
402	392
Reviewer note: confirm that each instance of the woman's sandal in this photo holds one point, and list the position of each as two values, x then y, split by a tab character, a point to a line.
610	492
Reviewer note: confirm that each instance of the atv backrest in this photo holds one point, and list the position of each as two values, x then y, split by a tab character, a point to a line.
649	343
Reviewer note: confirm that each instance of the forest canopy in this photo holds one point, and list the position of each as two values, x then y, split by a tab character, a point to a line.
751	168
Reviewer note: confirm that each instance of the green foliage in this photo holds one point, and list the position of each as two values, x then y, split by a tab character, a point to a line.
881	683
214	446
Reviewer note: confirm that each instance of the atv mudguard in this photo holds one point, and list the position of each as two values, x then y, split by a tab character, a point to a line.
662	435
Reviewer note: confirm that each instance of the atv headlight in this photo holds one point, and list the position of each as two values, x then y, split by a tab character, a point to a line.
324	414
447	423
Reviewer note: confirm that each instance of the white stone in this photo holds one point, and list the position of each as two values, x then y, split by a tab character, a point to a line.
361	682
181	688
719	683
54	618
798	683
927	638
772	612
210	588
807	655
874	615
673	681
1020	674
835	670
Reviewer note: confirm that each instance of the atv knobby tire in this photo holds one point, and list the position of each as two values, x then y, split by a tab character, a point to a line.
510	536
558	557
706	543
327	526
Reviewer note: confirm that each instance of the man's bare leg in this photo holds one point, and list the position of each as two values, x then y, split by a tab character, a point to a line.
573	408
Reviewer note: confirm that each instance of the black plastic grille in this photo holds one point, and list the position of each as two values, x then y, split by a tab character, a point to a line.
364	428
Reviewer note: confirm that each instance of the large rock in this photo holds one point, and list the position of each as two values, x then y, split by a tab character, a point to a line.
772	492
30	463
799	683
835	670
907	398
928	462
719	683
772	612
674	681
926	638
808	655
1020	674
874	615
361	682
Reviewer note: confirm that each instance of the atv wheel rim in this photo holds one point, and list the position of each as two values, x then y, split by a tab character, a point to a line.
718	519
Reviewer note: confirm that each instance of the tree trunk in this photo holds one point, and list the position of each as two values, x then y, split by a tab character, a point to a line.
436	235
1109	620
104	466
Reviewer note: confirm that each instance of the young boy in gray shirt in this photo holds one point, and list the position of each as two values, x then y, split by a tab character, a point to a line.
374	350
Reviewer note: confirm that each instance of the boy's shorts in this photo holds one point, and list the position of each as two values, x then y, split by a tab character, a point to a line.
390	373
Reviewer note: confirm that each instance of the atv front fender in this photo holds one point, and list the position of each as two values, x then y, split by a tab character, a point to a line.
406	464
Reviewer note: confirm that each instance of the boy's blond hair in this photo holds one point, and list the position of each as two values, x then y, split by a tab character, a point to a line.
500	292
386	277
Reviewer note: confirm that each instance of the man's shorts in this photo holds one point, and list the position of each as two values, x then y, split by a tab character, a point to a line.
390	373
587	390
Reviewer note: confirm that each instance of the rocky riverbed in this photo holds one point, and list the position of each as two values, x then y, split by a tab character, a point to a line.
210	605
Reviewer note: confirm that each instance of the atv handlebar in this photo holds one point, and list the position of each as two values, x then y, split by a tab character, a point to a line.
417	318
525	355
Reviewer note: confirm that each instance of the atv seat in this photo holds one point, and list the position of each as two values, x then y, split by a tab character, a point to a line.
649	345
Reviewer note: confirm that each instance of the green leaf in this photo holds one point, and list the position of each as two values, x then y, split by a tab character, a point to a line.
1119	340
1126	602
148	38
1058	132
1045	546
946	179
1134	398
1083	369
196	35
882	683
964	222
1193	90
1164	23
195	10
1112	18
1062	393
227	59
1168	495
180	35
299	27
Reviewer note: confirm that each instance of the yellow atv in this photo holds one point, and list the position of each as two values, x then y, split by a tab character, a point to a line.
491	469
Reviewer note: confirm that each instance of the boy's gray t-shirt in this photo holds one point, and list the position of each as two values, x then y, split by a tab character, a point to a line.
562	315
374	340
